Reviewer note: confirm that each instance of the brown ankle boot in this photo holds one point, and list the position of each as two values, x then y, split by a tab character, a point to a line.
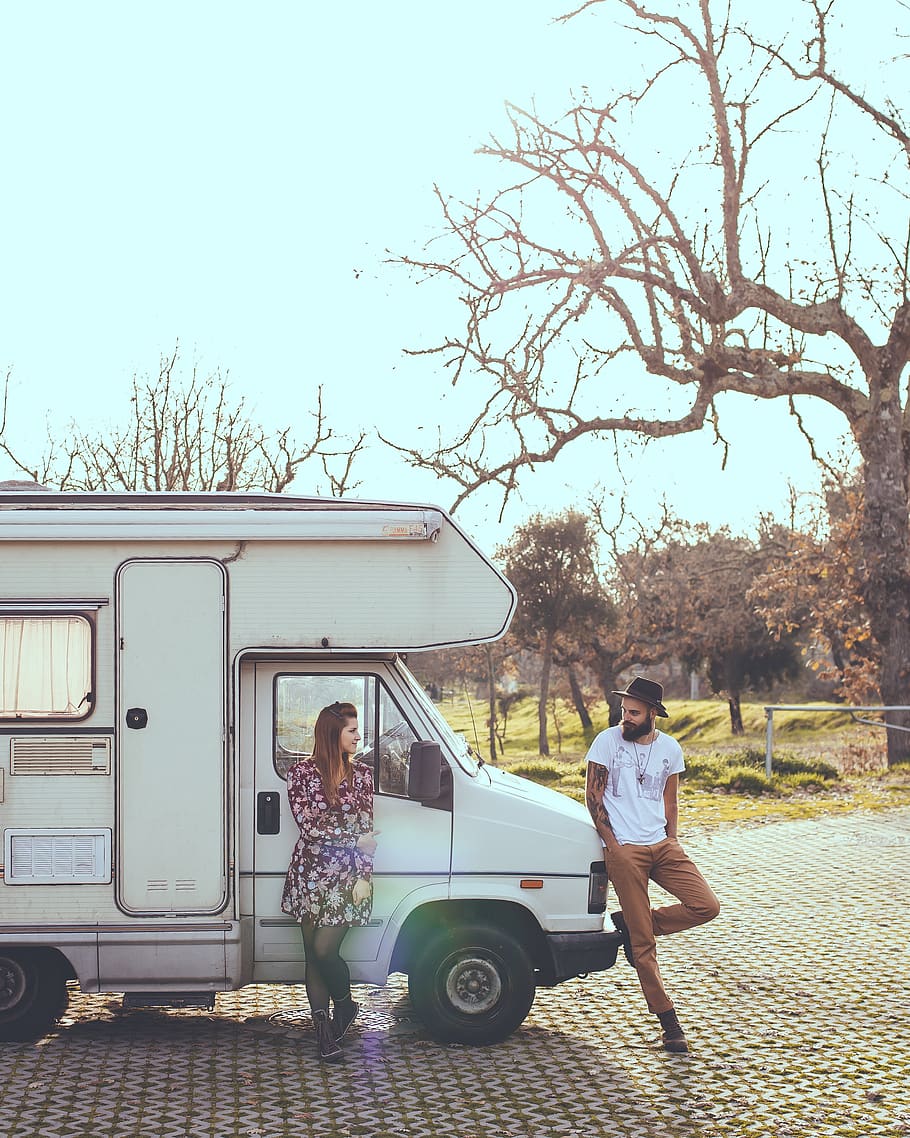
674	1039
619	922
328	1049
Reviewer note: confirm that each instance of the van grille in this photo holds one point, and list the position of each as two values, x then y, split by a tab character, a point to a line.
60	754
57	857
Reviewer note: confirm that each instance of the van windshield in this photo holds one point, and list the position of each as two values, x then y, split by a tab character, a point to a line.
456	743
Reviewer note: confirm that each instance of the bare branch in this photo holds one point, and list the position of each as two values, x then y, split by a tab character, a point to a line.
188	436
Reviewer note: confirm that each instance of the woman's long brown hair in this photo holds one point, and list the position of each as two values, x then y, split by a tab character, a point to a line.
332	763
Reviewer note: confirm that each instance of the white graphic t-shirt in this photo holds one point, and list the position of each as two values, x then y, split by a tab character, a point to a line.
636	778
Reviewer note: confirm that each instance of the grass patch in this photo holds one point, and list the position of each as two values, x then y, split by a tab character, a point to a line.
744	772
540	770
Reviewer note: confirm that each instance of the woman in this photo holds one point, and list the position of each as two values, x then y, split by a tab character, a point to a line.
329	882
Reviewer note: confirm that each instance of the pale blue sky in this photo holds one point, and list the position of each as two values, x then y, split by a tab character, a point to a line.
230	175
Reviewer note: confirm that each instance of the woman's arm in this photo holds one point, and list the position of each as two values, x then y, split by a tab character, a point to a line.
363	812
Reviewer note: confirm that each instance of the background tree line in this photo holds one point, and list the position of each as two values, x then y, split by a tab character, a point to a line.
183	430
780	611
597	599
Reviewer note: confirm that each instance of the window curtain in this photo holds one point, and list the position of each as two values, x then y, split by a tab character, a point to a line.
45	666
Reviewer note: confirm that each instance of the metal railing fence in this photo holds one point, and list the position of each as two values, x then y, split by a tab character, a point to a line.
846	709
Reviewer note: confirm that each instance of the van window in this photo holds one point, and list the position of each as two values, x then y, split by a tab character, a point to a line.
45	667
387	735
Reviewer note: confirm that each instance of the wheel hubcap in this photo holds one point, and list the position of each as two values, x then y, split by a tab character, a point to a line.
12	983
473	986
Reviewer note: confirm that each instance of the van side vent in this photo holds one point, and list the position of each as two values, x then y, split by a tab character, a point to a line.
60	754
184	883
45	856
156	884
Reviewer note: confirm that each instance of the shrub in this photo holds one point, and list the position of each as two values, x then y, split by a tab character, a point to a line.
705	769
715	769
817	770
745	780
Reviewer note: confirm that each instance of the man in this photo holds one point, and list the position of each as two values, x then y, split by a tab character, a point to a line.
632	794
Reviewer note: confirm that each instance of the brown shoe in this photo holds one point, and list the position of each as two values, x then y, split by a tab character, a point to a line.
674	1039
622	928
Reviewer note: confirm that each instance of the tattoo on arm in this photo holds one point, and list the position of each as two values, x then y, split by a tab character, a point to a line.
595	784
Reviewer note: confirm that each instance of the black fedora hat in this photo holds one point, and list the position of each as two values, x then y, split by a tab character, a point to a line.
648	691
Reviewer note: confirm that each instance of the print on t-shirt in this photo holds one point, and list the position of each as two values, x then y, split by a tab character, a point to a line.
647	784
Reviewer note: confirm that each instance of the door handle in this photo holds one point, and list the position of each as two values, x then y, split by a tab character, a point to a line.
268	812
136	718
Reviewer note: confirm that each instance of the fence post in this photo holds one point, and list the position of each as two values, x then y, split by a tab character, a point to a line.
769	739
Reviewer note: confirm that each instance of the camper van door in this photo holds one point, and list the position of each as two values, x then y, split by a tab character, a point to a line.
413	857
171	769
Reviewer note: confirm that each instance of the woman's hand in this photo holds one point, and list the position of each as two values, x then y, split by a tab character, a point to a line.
367	843
361	891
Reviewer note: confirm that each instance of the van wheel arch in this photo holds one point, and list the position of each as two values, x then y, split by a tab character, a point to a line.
33	994
424	921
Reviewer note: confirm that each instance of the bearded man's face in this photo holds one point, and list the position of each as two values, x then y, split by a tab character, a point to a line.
637	719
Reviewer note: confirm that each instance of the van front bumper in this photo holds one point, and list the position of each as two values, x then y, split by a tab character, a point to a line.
576	954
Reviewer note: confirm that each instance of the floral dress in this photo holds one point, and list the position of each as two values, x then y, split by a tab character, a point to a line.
325	862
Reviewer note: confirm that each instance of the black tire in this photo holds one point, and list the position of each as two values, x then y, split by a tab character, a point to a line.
473	984
33	993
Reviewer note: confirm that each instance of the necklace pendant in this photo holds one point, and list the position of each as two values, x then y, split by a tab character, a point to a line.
641	777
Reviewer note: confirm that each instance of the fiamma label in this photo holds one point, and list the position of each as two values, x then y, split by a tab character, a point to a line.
405	529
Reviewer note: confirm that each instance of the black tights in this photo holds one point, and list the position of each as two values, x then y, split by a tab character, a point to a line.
326	973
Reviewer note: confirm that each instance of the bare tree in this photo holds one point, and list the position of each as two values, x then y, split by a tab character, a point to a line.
186	434
483	666
814	586
645	630
551	561
641	263
717	627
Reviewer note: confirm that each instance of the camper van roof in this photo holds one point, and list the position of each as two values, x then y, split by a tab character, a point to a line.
437	588
31	496
46	515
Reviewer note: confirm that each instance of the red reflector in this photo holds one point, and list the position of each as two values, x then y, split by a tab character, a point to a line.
531	883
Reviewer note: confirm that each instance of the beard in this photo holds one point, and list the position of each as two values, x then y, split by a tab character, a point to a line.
630	732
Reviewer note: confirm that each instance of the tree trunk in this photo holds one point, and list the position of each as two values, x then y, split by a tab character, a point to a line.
606	678
736	714
491	698
578	699
556	728
543	745
885	547
604	668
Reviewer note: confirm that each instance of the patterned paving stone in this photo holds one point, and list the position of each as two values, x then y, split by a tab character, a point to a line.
796	1002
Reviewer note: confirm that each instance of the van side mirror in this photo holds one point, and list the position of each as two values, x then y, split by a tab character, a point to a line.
425	771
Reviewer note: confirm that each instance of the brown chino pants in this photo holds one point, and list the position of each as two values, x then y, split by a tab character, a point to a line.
630	869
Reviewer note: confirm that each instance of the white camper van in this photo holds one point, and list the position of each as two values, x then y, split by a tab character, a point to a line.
162	660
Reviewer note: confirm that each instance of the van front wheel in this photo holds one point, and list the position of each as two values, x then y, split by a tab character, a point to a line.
473	984
32	994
